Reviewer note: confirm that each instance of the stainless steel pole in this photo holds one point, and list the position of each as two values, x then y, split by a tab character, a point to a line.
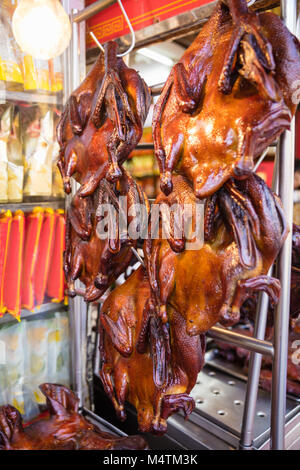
281	326
246	442
91	10
253	374
252	344
77	306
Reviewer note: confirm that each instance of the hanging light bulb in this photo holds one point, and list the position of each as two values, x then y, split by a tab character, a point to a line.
41	28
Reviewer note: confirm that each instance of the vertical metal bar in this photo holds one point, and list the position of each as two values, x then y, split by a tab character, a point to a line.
73	66
254	373
246	442
281	326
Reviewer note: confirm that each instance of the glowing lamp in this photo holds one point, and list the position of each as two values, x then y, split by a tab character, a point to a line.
41	28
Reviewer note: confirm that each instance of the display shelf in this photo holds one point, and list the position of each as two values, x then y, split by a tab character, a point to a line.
31	97
28	206
29	314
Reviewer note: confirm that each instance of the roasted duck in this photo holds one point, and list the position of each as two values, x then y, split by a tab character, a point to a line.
245	229
131	336
64	429
97	259
102	122
228	98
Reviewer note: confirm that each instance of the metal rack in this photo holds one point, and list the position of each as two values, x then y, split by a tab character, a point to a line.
283	180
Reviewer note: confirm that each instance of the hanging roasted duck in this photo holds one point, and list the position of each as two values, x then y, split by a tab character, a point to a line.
131	339
102	122
64	429
245	229
231	95
93	255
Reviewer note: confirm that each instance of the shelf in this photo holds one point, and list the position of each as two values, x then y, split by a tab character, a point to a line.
29	206
28	314
31	97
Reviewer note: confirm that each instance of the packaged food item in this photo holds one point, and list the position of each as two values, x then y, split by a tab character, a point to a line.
56	75
11	73
15	161
5	224
36	371
33	226
57	182
38	158
5	124
44	256
56	279
12	336
62	348
13	269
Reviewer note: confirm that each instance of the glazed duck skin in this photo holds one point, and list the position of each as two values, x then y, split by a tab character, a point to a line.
98	262
102	122
65	429
127	329
228	98
232	264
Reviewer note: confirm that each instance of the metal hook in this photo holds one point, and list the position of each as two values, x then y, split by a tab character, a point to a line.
250	2
131	30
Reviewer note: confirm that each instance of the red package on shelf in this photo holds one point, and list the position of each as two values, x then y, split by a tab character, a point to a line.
33	227
56	278
44	256
13	269
5	224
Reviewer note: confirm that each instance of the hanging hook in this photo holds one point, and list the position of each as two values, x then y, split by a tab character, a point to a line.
97	42
131	30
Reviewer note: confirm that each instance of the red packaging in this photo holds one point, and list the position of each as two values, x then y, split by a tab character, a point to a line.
56	278
33	227
44	256
5	224
13	269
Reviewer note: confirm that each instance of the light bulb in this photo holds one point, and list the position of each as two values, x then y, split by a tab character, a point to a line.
41	28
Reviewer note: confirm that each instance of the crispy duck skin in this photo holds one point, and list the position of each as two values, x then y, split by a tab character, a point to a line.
248	310
228	98
98	262
244	235
102	122
64	429
130	336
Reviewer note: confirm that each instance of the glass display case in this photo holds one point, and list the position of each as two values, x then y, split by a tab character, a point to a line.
34	323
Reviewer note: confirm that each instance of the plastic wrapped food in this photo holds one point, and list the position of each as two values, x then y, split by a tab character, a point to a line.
56	75
5	224
33	228
11	75
5	124
13	269
57	182
13	371
44	255
15	162
56	279
62	349
35	364
36	74
38	156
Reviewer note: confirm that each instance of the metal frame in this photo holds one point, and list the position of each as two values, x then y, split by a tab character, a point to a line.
284	170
